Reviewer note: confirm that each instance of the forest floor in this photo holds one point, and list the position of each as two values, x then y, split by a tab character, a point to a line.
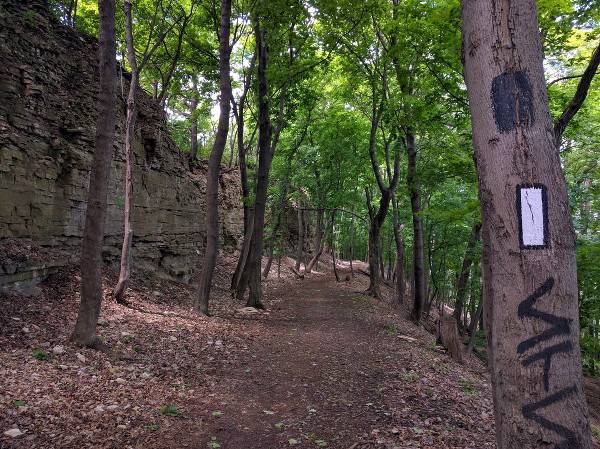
324	366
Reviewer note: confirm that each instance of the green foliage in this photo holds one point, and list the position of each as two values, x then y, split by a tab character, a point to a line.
41	355
467	385
170	410
212	444
19	403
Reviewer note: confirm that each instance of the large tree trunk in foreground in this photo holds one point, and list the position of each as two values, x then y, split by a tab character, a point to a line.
93	233
214	165
119	291
529	270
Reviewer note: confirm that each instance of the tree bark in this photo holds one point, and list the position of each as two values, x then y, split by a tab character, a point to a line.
400	249
529	264
194	125
318	243
300	234
125	272
473	327
463	277
91	253
251	272
214	165
418	277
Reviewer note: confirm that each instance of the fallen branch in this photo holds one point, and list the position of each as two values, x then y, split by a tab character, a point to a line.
298	275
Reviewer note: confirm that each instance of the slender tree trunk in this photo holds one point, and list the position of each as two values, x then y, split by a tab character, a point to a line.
335	272
400	249
91	253
194	125
529	264
463	278
418	277
318	242
473	327
300	234
239	116
251	272
214	165
120	288
352	242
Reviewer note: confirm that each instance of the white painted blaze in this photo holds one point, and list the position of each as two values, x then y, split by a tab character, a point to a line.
532	216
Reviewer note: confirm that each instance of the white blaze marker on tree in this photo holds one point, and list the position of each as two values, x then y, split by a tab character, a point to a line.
532	206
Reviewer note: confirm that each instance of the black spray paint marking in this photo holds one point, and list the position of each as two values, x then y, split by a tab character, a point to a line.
512	99
560	326
529	412
532	209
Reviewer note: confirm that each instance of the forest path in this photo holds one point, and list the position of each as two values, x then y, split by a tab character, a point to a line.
331	367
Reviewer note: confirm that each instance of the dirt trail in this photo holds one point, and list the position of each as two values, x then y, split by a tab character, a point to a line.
328	369
325	367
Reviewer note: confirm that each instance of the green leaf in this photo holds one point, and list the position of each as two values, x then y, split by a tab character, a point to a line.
19	403
292	441
217	413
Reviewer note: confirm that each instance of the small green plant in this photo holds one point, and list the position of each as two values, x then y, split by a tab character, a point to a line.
41	355
180	326
19	403
596	434
120	202
129	337
279	425
137	348
170	410
411	376
391	330
154	427
417	430
467	385
212	444
292	441
217	413
321	443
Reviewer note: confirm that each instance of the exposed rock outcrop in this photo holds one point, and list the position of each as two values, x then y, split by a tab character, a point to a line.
48	93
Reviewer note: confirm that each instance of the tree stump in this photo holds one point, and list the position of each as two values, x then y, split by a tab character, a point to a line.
449	337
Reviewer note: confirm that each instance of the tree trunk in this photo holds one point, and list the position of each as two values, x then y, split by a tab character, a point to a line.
352	242
449	337
214	165
335	272
473	327
318	243
418	277
251	272
529	268
91	253
239	116
300	234
119	291
194	126
400	249
463	278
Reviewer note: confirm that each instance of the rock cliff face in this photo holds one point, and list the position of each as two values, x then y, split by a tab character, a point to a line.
48	93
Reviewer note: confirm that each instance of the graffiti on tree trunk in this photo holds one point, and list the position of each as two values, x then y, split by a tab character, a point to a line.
559	327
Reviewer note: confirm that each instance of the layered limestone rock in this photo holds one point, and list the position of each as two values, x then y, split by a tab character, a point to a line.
48	94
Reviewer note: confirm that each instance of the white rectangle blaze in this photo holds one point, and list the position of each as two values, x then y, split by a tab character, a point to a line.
532	216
